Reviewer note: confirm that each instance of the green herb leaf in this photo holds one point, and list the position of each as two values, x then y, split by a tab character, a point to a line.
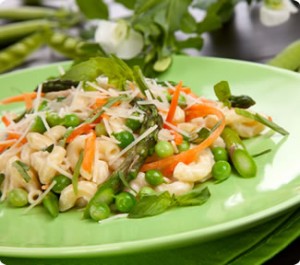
257	117
196	196
127	3
22	169
188	23
194	42
151	205
93	8
222	91
201	135
77	173
49	148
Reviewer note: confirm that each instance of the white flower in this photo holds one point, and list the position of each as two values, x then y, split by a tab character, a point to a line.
276	12
118	38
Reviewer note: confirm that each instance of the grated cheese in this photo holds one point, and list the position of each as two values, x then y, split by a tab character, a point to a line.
173	127
60	170
107	126
37	101
137	140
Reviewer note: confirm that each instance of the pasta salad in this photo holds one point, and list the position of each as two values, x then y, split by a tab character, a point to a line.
104	138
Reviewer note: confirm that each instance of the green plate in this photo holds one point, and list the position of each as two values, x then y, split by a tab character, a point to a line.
236	204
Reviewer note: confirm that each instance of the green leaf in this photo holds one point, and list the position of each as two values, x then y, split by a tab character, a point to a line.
257	117
196	196
22	169
193	42
49	148
149	5
188	23
130	4
222	91
151	205
139	79
93	8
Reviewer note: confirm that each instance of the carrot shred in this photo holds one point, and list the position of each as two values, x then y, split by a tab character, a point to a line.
99	103
81	129
28	101
89	153
178	139
6	121
174	103
19	98
168	164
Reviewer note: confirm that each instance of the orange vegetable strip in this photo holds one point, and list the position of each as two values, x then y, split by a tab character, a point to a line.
81	129
6	121
19	98
89	153
99	103
168	164
28	101
178	139
174	103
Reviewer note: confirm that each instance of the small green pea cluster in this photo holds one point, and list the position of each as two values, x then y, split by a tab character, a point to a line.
221	169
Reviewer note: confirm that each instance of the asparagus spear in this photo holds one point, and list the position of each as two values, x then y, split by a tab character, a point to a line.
133	161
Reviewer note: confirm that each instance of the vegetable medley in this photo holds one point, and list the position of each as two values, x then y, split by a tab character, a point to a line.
104	138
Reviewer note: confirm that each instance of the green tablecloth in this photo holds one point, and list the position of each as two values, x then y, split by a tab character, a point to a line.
251	247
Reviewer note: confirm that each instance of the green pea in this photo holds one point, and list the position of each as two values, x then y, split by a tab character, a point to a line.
154	177
164	149
184	146
18	197
106	196
220	153
38	125
221	170
50	203
99	211
71	120
125	138
61	183
53	119
146	191
133	124
125	202
100	129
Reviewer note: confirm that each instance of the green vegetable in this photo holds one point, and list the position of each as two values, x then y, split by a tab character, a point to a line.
76	172
134	159
2	177
15	54
195	197
43	105
15	31
201	136
241	159
140	80
257	117
124	137
71	120
154	177
220	154
30	12
58	85
99	211
164	149
61	183
93	9
17	197
125	201
53	119
22	169
223	93
146	191
49	148
221	170
184	146
50	203
133	124
100	129
38	125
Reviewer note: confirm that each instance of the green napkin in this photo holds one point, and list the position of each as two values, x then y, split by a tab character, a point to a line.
251	247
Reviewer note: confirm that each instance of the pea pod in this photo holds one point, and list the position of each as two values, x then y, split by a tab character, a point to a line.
50	203
15	54
15	31
29	13
241	159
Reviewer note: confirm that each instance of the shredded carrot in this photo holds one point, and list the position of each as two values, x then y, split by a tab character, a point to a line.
19	98
89	153
168	164
28	101
174	103
104	116
178	139
5	145
6	121
81	129
99	103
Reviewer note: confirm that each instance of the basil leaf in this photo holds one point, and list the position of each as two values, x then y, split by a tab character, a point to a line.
222	91
22	169
196	196
151	205
130	4
93	8
257	117
188	23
